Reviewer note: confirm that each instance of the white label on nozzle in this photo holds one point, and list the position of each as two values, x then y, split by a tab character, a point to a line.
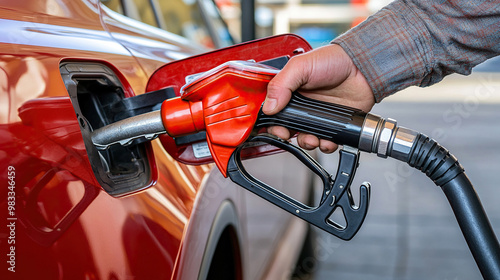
201	150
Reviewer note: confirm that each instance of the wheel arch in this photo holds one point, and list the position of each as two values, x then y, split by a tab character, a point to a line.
225	231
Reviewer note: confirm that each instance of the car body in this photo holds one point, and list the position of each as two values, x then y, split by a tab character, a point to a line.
186	222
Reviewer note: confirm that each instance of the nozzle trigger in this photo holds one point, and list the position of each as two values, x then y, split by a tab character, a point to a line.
336	192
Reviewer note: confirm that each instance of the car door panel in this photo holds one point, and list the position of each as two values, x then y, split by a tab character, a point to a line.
86	223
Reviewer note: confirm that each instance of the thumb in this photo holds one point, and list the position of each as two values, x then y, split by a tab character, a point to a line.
280	88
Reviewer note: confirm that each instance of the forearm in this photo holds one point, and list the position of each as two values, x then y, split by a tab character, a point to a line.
419	42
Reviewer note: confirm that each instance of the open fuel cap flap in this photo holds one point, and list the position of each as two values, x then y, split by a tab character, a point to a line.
273	51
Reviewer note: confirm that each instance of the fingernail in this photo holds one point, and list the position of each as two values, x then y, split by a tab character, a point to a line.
269	105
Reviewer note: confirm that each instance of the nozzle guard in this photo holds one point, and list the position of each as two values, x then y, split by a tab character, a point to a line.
336	192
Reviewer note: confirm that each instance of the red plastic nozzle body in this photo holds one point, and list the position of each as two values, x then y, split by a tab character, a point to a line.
224	102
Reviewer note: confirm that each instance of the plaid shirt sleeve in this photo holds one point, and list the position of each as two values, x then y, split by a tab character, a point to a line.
412	42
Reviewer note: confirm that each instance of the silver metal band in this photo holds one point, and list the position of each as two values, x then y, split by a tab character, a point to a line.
367	140
402	143
384	137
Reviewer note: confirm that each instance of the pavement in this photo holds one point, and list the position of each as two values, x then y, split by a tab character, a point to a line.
410	231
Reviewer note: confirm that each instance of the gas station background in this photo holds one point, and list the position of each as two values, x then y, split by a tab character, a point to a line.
318	21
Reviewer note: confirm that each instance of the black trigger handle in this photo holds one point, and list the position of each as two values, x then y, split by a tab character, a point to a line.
336	192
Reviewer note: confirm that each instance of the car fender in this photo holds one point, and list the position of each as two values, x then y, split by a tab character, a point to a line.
214	210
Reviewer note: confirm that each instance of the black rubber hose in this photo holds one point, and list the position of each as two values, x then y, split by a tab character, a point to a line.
474	224
443	168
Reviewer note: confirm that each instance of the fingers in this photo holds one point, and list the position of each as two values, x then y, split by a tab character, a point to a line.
306	141
280	131
327	147
278	95
311	142
279	90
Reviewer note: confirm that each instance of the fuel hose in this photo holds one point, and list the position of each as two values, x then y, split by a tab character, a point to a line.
374	134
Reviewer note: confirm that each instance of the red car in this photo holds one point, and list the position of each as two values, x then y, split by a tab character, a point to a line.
131	212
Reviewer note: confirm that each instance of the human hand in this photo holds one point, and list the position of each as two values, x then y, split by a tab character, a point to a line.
327	74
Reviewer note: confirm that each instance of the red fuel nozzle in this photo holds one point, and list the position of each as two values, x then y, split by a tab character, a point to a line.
225	102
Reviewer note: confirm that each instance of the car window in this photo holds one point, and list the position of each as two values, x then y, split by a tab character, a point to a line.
145	12
115	5
221	31
140	10
182	17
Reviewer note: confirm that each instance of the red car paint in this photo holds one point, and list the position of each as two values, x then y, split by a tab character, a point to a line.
62	225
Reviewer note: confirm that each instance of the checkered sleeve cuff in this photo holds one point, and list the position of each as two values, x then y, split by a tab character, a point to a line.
391	48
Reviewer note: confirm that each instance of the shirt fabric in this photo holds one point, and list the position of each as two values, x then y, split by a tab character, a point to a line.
411	42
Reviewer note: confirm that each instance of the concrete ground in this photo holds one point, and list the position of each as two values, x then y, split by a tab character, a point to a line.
410	231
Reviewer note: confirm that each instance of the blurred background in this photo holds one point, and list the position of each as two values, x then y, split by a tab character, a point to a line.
318	21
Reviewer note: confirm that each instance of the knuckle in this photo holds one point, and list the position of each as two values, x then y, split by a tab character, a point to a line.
273	88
